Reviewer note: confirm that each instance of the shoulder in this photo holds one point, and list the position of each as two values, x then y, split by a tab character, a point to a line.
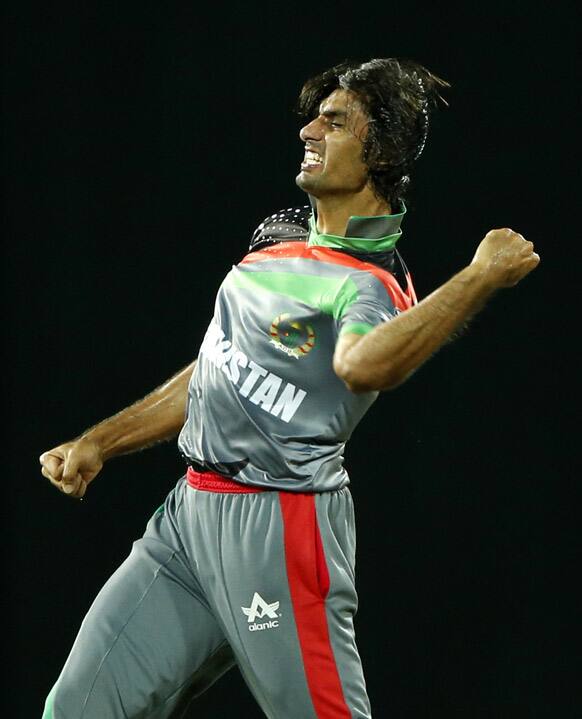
291	224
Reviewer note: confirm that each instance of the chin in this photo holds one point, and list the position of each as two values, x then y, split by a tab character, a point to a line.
306	183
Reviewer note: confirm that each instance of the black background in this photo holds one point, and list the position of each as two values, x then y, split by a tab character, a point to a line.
143	144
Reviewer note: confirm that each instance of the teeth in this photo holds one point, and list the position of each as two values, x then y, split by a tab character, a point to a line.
313	157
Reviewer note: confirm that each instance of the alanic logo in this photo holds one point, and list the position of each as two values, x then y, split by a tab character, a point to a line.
260	608
293	337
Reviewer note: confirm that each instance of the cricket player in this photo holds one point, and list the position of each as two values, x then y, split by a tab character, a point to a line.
250	561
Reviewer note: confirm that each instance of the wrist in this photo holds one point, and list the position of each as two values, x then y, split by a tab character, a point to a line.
102	444
481	277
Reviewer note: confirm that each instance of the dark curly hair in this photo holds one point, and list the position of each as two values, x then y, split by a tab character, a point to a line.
398	96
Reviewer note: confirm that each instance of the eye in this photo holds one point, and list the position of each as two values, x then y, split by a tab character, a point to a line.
336	124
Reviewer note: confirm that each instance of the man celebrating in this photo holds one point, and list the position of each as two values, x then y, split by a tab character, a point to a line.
250	561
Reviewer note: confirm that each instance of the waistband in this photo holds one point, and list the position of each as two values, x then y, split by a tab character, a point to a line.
212	482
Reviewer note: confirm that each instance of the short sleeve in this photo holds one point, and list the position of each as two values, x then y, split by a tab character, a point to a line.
362	303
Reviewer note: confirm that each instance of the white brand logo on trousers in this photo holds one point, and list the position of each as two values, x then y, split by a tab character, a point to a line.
260	608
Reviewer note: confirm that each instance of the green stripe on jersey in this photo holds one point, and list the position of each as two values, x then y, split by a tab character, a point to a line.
48	707
357	328
331	295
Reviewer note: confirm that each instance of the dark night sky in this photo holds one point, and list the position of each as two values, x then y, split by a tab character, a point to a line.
142	145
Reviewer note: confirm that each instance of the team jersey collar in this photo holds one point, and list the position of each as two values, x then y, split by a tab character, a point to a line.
378	233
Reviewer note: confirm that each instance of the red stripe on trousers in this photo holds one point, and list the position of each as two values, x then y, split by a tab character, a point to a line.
308	584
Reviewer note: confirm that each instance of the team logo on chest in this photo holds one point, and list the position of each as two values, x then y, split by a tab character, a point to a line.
293	337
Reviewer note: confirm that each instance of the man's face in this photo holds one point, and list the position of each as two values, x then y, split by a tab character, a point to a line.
333	163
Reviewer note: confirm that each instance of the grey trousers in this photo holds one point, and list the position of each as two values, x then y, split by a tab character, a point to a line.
262	580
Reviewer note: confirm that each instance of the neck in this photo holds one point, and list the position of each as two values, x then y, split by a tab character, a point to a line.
334	212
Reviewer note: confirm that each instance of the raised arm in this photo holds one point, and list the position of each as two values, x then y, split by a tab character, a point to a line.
157	417
392	351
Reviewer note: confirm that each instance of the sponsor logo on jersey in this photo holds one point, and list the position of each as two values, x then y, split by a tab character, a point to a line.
263	388
259	609
292	337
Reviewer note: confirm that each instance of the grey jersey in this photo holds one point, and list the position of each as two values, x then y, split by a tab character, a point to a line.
264	403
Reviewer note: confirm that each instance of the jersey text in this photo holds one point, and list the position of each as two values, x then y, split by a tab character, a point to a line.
261	387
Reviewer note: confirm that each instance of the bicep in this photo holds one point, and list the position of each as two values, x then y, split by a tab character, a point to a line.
366	305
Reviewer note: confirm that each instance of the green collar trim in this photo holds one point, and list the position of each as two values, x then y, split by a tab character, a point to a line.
364	234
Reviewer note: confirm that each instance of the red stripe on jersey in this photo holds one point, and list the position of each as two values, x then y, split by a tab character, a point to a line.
308	578
411	288
300	250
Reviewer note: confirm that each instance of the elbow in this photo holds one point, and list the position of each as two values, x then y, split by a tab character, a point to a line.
360	380
357	386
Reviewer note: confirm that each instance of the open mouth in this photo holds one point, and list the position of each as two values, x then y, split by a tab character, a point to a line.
311	159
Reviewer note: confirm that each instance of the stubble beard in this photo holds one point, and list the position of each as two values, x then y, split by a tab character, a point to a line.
307	184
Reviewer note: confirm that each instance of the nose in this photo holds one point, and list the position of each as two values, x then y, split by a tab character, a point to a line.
312	131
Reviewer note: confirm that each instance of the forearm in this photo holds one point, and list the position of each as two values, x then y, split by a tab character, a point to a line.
157	417
388	354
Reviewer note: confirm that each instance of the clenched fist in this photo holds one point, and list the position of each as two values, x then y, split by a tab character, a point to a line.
71	466
505	257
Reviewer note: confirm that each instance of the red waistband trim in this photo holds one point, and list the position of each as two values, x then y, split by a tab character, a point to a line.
212	482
